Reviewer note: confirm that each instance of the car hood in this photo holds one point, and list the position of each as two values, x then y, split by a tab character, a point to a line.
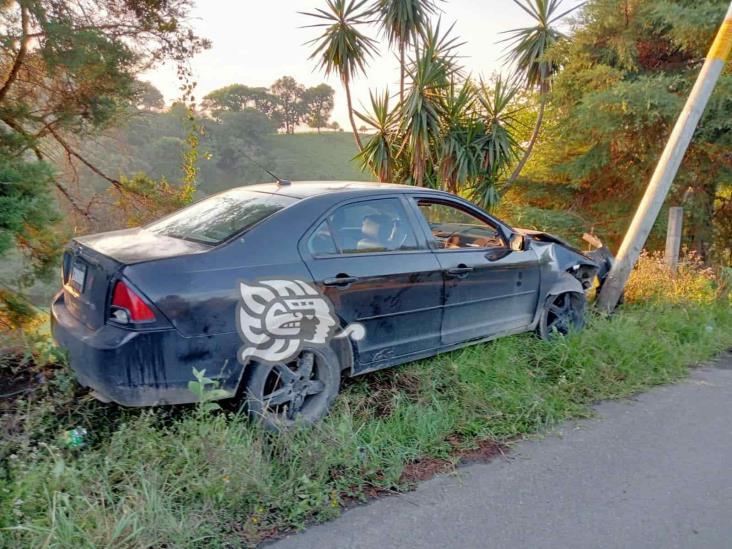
548	237
138	245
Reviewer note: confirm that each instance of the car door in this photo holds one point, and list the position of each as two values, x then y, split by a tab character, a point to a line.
377	269
489	288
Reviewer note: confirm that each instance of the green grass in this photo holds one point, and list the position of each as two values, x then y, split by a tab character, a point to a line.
184	478
314	157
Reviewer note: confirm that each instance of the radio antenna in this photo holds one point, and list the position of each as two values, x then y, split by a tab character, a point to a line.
258	165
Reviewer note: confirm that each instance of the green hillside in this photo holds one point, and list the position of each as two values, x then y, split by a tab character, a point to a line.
299	157
312	156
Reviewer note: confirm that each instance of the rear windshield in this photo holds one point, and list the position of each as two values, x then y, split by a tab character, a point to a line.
215	219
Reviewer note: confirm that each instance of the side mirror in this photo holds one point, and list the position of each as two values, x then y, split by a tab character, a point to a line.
517	242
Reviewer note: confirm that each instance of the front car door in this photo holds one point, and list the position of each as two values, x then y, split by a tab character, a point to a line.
367	257
489	288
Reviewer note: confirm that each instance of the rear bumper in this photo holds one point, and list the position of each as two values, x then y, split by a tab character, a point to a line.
140	368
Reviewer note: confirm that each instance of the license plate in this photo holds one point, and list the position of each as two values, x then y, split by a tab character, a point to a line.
78	275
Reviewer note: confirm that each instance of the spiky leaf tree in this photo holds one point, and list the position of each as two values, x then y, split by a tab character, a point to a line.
380	151
342	48
528	51
430	73
499	147
403	22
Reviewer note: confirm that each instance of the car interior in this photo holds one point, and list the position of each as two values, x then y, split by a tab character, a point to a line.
373	226
453	228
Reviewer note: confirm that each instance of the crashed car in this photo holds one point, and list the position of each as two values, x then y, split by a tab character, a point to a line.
279	290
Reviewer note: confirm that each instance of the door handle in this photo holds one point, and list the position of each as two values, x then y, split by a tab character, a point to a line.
460	270
340	281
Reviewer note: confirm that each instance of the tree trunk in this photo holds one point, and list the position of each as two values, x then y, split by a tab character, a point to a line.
402	70
346	85
532	141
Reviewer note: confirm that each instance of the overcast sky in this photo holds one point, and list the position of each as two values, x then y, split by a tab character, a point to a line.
257	41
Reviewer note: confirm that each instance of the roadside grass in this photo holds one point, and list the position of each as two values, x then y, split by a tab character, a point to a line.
181	477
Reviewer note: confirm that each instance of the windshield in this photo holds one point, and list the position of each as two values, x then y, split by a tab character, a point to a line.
215	219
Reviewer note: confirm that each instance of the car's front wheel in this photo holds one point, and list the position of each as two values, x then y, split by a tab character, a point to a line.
300	391
562	314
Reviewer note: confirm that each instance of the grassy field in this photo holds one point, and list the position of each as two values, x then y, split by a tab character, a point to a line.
313	157
182	477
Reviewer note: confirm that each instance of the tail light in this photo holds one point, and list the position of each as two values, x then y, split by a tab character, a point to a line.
128	307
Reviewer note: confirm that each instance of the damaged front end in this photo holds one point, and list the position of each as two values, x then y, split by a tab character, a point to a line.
559	258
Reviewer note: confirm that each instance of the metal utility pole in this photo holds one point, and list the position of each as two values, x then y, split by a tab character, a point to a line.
667	167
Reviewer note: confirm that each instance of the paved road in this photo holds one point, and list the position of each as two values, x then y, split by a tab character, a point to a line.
654	471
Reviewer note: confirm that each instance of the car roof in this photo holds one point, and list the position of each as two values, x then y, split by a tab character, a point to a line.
304	189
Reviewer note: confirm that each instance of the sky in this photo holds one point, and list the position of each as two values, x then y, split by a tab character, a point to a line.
255	42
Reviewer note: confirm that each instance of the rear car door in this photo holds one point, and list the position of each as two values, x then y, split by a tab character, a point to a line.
489	288
366	256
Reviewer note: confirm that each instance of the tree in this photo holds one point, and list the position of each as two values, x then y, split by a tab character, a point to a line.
403	21
148	97
448	132
318	105
67	70
236	136
529	47
237	97
626	74
289	102
342	48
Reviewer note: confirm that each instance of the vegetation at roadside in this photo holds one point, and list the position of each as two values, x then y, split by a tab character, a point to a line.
186	477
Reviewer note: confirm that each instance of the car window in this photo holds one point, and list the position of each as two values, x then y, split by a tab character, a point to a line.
454	228
321	242
215	219
372	226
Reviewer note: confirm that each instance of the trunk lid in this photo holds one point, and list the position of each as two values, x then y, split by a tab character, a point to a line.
137	245
91	263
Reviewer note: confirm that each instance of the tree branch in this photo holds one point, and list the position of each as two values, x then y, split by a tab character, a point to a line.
71	152
18	61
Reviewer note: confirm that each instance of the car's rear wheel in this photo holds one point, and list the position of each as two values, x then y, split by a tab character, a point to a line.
562	314
298	392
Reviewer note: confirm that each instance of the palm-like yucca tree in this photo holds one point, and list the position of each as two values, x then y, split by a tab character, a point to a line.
430	73
403	21
379	153
498	147
461	131
342	48
528	48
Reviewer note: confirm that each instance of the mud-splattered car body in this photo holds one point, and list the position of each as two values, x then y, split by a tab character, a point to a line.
141	308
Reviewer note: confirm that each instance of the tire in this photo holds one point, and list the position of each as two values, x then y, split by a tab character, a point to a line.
300	392
562	314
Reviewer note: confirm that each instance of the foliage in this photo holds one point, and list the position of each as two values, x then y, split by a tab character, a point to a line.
448	132
403	22
342	48
318	102
178	477
625	76
528	51
285	104
67	71
207	391
289	104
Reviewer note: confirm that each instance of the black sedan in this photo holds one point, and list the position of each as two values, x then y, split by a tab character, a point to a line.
278	290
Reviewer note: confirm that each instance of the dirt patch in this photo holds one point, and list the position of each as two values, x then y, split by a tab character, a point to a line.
385	390
15	379
424	469
485	451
